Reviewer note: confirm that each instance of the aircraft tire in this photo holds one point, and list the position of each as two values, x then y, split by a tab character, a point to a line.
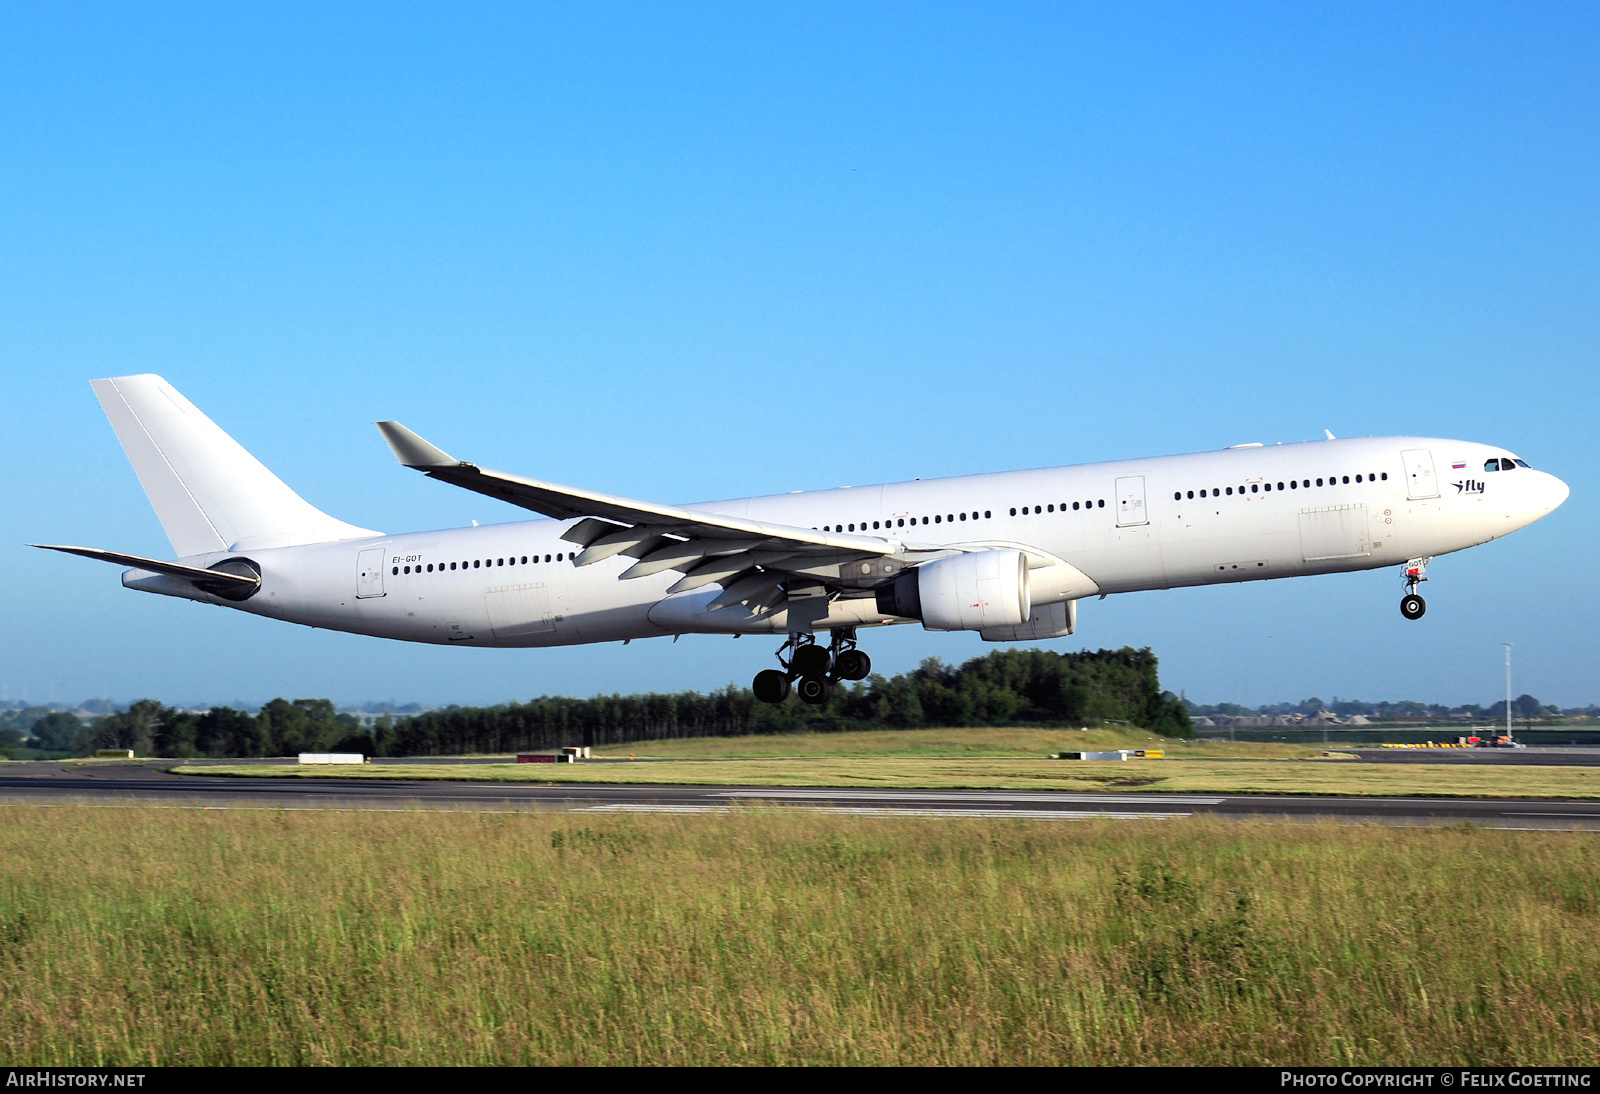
770	686
1412	606
812	660
814	690
852	665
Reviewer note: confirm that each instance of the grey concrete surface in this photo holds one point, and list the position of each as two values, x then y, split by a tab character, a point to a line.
119	783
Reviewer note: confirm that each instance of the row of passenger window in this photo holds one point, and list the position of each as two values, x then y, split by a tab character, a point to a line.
900	522
952	518
478	563
1292	484
1101	504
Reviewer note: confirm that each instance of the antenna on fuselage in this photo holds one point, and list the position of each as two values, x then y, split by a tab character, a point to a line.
1331	437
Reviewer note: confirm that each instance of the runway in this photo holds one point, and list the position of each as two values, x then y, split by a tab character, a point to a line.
111	784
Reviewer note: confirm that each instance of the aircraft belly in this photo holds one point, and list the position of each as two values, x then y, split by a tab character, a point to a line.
1121	560
1204	546
1131	561
611	624
1426	528
688	613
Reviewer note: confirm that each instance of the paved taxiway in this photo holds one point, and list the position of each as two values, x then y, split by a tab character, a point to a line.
48	784
1534	756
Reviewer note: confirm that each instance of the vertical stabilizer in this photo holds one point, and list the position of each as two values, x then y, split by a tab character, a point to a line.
209	493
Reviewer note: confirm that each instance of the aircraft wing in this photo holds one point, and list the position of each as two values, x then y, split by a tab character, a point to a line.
750	559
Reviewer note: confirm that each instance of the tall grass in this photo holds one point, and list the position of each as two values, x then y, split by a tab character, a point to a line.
142	935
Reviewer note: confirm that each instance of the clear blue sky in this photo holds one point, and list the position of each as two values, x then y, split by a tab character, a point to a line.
693	251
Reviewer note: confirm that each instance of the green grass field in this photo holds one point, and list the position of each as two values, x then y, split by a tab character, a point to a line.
137	935
997	742
1001	758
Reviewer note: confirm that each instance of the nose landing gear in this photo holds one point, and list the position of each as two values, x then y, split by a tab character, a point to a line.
811	670
1413	606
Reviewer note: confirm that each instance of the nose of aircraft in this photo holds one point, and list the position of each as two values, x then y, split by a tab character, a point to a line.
1550	494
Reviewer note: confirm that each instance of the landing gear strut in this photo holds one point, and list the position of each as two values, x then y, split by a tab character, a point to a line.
811	670
1411	605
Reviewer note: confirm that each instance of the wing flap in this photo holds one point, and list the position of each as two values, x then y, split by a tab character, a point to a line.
718	569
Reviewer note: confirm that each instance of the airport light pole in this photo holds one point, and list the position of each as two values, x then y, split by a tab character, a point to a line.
1507	645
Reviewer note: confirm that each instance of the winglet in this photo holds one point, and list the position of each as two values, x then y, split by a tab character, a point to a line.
412	451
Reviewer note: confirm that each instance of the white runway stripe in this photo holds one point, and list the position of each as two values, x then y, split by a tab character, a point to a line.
823	794
881	811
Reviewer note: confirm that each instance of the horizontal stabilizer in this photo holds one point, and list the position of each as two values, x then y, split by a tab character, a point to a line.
221	582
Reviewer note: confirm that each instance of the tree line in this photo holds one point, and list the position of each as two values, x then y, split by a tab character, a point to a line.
1005	687
282	727
1523	707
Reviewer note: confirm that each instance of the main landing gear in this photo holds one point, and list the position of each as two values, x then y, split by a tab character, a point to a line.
812	670
1411	605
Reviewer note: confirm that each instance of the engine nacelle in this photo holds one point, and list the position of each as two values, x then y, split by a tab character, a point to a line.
970	592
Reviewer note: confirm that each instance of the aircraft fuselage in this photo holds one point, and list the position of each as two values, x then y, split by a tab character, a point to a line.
1241	514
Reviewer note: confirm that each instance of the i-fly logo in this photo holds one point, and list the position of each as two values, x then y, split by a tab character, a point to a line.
1470	486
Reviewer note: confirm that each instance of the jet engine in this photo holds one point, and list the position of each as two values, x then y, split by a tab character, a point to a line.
969	592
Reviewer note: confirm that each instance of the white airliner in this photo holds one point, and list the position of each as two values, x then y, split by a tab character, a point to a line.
1007	555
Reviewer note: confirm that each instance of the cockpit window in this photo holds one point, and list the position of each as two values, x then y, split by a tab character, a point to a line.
1524	463
1492	464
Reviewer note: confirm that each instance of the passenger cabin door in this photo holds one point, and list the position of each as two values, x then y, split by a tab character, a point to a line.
1420	479
1130	502
369	573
